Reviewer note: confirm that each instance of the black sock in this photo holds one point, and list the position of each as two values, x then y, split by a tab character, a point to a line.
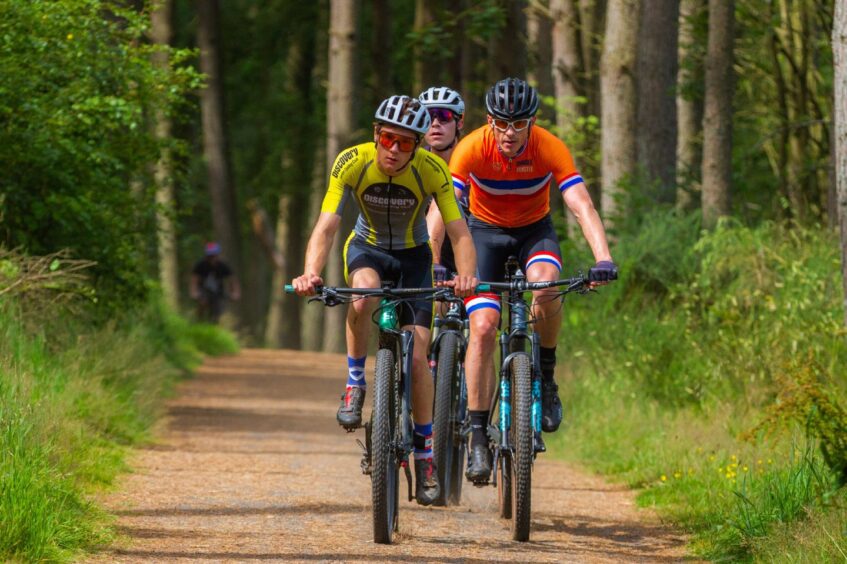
479	428
548	362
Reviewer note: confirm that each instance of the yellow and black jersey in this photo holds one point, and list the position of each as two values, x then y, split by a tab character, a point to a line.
392	208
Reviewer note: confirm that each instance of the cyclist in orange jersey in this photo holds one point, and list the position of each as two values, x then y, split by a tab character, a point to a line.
508	167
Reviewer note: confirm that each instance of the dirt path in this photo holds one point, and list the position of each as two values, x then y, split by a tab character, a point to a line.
252	467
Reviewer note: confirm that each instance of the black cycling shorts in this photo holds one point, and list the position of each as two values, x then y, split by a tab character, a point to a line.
536	242
407	268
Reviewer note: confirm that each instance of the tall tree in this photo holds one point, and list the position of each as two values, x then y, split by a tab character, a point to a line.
224	209
566	62
689	105
425	72
591	17
381	50
839	49
540	52
656	71
339	127
507	50
617	90
160	34
717	119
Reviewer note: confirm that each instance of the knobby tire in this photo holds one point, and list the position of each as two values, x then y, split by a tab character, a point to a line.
442	424
521	440
385	470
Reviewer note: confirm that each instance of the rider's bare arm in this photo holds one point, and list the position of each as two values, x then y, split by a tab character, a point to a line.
317	251
465	254
435	226
579	202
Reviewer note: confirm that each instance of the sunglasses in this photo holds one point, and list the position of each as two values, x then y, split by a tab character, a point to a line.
405	144
518	125
442	114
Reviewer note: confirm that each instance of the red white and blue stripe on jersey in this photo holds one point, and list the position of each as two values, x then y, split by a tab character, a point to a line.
512	187
482	301
571	180
544	257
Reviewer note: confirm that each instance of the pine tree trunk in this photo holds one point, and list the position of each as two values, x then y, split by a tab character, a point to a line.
656	71
507	50
425	68
566	63
340	124
160	34
222	193
539	48
312	335
617	90
839	48
381	51
280	326
591	17
689	108
717	120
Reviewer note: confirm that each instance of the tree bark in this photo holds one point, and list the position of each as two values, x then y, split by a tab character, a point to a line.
381	51
591	17
279	327
657	69
160	34
425	68
839	49
507	50
539	48
340	124
717	120
566	63
222	193
689	108
617	90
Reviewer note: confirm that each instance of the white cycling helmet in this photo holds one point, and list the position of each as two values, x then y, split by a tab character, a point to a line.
443	97
405	112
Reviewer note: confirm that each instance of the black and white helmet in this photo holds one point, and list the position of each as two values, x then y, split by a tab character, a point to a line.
443	97
405	112
511	98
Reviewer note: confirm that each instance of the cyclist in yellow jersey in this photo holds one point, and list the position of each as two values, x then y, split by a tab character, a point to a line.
393	182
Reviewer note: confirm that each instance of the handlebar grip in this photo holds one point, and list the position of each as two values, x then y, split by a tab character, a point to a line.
483	288
289	289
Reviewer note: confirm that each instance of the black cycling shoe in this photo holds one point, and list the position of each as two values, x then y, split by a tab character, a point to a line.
427	488
350	413
551	406
479	464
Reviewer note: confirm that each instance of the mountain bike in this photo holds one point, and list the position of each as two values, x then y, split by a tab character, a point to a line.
516	434
389	433
450	408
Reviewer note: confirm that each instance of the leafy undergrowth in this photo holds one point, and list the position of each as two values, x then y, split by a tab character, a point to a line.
73	398
709	377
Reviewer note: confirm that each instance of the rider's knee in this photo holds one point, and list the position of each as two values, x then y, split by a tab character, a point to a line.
483	328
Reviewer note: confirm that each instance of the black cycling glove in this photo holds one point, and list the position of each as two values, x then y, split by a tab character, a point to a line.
603	271
439	273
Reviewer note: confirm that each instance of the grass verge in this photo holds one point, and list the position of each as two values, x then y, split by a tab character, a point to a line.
73	398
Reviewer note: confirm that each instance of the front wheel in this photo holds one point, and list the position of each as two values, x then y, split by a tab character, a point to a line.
521	435
385	470
443	439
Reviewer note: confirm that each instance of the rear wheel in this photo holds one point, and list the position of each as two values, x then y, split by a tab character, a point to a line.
521	441
385	470
442	420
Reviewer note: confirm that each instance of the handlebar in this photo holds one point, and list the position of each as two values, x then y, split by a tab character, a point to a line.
575	284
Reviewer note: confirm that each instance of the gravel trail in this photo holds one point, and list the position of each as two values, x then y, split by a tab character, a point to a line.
251	466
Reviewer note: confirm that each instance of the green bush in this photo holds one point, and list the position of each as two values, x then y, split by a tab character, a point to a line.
78	91
710	339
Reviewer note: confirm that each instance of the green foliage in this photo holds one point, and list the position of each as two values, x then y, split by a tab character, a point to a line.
73	396
709	337
78	91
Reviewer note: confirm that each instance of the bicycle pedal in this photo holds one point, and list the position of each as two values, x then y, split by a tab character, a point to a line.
480	483
539	443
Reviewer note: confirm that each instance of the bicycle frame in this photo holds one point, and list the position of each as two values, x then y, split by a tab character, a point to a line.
513	341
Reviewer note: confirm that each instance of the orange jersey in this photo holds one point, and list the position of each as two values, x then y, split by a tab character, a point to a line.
512	192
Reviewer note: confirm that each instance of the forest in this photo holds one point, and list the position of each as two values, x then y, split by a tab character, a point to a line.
712	135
